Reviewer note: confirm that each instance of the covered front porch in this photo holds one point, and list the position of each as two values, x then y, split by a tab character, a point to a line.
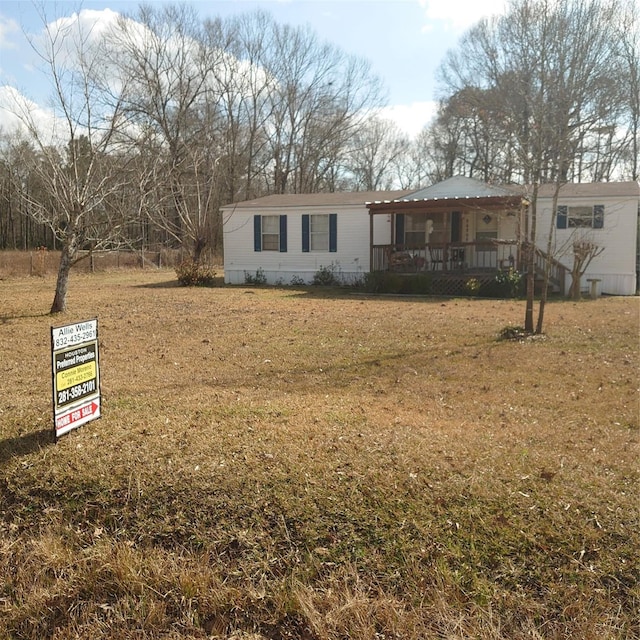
459	226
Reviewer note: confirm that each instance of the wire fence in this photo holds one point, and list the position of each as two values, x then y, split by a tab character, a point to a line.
41	262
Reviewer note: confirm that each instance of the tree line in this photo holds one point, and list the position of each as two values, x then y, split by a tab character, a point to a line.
163	117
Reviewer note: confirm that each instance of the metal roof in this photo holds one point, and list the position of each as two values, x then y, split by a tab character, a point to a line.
457	188
337	198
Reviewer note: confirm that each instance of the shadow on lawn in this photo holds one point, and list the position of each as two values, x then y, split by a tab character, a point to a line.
23	445
168	284
7	318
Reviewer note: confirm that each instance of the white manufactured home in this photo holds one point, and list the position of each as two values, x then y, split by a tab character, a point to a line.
291	237
455	229
606	214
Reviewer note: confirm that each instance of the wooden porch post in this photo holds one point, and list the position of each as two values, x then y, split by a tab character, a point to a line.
370	241
447	240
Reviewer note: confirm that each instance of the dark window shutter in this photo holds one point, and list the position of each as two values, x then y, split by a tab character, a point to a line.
598	216
399	228
305	232
283	234
561	219
333	232
257	233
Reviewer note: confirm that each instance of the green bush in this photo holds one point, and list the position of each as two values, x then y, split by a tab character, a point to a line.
472	286
512	282
327	276
506	284
389	282
195	274
381	282
260	278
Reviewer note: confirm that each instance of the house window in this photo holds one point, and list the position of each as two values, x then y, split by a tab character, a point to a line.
415	230
320	232
580	217
270	233
485	240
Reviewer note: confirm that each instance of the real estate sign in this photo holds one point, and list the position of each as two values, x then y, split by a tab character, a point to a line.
76	375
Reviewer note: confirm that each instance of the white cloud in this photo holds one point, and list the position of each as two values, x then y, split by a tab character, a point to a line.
19	114
411	118
75	34
459	14
7	28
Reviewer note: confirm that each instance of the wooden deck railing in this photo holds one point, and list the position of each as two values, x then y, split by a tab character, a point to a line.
450	257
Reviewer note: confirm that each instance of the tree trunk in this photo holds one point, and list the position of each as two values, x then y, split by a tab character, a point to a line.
199	246
531	283
576	277
69	248
543	302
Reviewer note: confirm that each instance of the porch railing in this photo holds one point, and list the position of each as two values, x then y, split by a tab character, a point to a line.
557	271
452	257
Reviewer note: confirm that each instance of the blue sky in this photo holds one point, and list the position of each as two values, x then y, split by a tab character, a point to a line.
404	40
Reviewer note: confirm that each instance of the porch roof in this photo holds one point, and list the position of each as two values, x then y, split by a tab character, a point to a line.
466	203
455	193
460	187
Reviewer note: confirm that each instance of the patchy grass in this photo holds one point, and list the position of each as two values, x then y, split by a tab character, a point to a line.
276	463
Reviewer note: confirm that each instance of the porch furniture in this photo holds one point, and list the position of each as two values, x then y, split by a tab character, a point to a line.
457	258
401	261
436	257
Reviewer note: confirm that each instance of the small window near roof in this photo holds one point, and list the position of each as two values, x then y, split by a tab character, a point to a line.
580	217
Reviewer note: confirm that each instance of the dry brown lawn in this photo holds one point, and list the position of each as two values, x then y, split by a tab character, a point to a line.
308	464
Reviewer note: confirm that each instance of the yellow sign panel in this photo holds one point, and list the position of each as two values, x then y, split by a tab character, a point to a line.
75	375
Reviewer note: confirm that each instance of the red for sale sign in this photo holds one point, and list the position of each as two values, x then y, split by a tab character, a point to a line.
76	375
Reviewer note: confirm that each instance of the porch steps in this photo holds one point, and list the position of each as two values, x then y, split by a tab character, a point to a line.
557	273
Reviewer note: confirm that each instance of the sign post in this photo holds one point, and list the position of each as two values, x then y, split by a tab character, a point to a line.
76	375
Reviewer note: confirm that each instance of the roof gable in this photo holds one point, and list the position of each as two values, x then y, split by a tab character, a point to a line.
458	187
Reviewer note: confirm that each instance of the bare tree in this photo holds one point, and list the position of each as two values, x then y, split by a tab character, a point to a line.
544	71
78	164
319	99
171	108
584	250
628	41
245	100
376	149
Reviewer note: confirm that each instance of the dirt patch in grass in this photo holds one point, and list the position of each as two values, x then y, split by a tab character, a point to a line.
281	463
